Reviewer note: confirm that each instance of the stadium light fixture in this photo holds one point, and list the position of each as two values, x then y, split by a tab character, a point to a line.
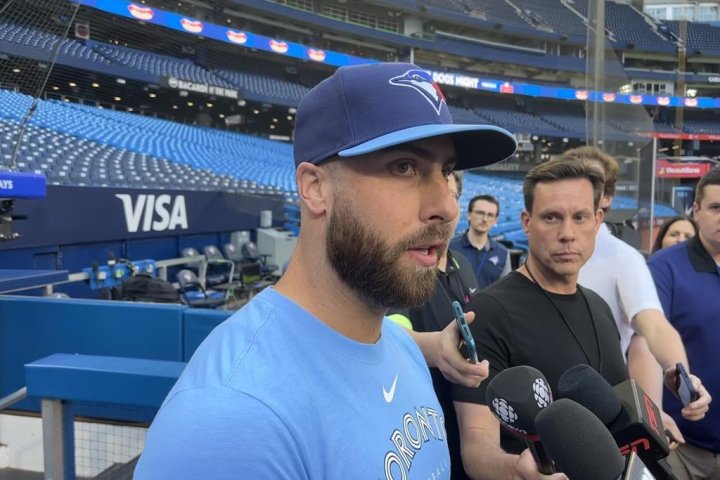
256	111
117	99
121	81
95	85
190	104
152	95
56	88
209	104
289	117
16	70
292	110
241	103
175	107
72	84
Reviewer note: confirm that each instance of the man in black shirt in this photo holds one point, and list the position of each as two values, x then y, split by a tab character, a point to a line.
539	315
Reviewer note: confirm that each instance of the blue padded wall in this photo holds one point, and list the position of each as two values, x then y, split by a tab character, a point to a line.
198	323
32	328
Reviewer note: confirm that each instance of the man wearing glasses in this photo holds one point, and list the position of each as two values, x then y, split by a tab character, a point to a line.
490	260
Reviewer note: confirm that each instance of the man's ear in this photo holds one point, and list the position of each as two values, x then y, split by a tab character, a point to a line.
599	218
525	219
314	187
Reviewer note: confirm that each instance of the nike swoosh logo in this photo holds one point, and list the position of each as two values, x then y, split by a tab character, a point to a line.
473	290
391	394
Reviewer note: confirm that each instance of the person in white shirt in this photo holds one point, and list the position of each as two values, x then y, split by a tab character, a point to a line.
619	274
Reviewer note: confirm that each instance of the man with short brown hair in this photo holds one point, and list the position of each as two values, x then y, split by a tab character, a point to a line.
538	315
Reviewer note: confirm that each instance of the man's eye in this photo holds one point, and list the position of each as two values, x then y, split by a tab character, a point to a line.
405	168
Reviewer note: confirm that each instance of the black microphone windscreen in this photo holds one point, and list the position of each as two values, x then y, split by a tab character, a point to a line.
587	387
516	395
578	442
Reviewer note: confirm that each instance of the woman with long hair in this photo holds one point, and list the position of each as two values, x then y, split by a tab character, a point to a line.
675	230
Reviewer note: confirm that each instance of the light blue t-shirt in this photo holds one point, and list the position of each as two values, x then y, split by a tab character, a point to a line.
273	393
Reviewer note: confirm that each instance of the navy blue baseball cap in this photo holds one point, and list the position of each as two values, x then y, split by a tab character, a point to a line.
365	108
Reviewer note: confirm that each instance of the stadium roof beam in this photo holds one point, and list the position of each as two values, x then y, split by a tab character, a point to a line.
488	42
266	21
353	41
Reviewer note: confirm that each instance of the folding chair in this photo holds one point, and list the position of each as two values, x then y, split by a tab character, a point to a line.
194	294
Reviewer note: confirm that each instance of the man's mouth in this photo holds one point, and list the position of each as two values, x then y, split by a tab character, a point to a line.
427	255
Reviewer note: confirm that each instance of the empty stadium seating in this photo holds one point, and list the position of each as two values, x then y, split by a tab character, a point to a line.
46	41
552	15
631	26
80	145
700	36
156	64
500	12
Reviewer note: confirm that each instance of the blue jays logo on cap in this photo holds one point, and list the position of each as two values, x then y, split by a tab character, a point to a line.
421	81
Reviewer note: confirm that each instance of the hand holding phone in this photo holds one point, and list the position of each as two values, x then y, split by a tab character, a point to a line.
464	329
685	389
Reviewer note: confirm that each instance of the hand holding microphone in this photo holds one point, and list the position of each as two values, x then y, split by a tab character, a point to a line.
515	396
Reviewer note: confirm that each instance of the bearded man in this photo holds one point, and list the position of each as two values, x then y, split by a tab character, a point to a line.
309	380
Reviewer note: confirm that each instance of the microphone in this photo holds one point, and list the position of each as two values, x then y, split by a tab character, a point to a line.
515	396
635	469
631	416
578	442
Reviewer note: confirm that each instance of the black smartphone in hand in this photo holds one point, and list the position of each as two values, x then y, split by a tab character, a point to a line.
465	331
685	389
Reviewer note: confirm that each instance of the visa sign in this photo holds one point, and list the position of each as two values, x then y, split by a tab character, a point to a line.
157	213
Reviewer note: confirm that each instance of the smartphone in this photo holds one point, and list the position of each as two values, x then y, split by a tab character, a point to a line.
685	389
465	331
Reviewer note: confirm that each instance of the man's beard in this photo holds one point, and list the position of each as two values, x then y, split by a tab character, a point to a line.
371	267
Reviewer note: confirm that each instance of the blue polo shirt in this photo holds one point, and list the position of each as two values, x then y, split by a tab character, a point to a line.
489	263
688	284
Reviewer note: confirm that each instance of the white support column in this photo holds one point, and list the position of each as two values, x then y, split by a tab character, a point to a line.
53	440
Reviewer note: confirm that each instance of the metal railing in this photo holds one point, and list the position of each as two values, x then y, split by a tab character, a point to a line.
16	396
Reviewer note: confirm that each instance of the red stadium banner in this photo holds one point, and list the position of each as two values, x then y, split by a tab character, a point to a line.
667	169
687	136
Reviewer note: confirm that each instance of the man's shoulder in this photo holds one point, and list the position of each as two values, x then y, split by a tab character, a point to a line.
508	288
495	245
459	241
670	255
592	296
460	257
611	245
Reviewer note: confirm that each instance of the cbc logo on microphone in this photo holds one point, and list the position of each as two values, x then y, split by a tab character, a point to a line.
504	411
541	390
